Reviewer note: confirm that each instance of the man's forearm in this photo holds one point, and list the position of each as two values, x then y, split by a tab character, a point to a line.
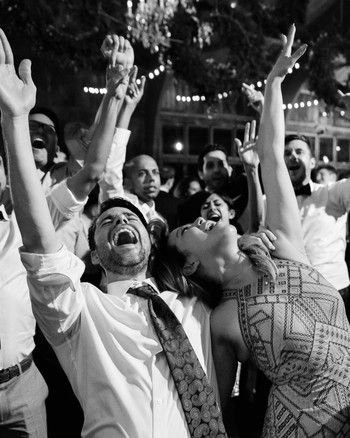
30	205
101	142
125	116
83	182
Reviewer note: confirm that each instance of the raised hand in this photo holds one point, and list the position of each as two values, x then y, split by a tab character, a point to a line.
286	59
247	152
118	51
17	93
345	97
135	92
255	97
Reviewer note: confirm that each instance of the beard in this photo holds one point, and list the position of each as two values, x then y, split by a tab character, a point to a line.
123	266
297	176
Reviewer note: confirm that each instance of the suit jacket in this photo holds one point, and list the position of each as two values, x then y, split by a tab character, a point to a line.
167	206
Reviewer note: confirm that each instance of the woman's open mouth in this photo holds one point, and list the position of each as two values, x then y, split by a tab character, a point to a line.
214	216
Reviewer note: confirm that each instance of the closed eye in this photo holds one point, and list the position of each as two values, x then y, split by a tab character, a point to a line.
184	229
105	222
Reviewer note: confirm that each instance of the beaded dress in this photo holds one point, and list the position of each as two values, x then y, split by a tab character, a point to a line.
298	334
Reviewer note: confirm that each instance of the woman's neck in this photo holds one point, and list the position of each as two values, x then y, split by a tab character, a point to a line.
239	273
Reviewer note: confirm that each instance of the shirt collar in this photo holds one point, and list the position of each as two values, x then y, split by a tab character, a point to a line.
120	288
312	185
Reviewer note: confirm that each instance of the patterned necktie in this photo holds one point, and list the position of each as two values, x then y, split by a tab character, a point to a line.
197	396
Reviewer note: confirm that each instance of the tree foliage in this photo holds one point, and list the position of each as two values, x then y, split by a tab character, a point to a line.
244	42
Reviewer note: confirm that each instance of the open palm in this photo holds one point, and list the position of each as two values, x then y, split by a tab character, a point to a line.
287	60
17	93
135	92
247	152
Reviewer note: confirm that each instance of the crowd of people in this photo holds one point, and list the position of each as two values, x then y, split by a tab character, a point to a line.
135	305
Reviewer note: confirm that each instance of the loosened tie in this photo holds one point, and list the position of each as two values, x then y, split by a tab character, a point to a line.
197	396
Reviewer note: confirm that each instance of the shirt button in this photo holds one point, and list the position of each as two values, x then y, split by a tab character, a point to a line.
158	402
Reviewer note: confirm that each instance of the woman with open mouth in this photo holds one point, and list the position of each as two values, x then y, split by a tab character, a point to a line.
279	312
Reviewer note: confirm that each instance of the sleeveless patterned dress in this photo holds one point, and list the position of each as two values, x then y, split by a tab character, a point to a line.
298	334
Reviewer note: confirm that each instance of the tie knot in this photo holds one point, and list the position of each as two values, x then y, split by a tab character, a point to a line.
144	291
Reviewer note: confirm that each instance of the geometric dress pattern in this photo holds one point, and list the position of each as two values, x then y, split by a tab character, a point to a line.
298	335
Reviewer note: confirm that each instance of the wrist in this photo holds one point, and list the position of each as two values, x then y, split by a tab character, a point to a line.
130	107
251	169
274	80
14	119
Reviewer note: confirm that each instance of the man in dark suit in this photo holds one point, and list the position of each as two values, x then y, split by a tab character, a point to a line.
166	203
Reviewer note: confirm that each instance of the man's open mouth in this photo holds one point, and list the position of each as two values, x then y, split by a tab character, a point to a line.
124	236
38	143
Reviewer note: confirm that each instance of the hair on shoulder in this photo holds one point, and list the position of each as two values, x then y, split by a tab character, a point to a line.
167	271
258	255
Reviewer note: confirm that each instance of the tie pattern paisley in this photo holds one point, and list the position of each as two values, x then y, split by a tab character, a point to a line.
197	396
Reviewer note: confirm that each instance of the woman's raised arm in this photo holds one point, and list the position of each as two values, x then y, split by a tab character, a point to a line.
282	213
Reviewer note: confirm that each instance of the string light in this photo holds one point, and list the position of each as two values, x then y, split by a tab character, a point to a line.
225	94
151	75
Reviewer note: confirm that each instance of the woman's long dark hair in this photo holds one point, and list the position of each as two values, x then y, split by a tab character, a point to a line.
169	262
168	273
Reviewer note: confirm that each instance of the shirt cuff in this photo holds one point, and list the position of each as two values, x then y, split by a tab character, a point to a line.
64	200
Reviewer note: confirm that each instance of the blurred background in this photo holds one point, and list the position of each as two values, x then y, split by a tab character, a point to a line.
195	55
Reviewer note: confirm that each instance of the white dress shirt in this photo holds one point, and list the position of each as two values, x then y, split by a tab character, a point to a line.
323	218
109	350
17	323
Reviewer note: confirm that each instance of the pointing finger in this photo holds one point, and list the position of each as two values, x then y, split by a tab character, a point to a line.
116	44
290	40
142	85
7	48
246	132
133	74
300	52
252	130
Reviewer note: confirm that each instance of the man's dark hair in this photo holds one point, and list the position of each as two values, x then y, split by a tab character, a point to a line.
106	205
328	167
166	173
206	150
291	137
